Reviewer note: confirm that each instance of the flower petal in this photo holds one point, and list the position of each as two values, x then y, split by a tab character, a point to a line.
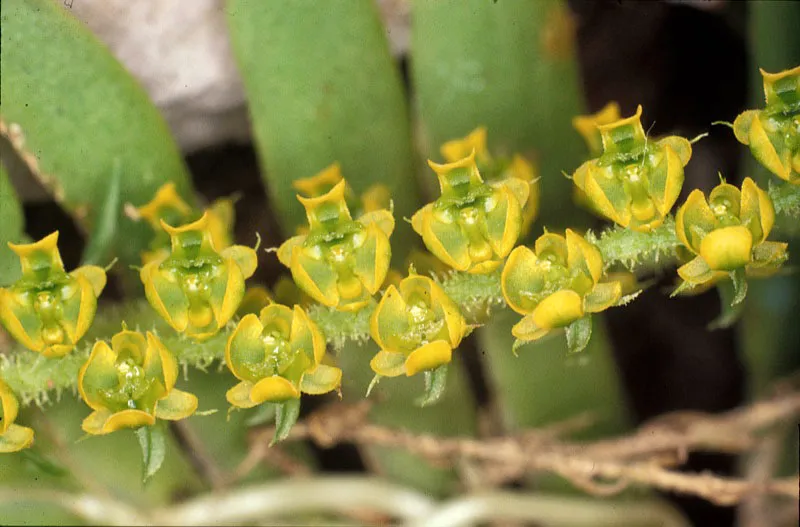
244	257
371	260
314	277
584	256
694	220
245	347
8	407
101	422
388	363
504	221
428	357
558	310
273	389
239	395
160	363
696	272
19	318
757	211
446	240
306	337
527	330
287	247
518	278
602	297
382	218
227	292
322	379
15	438
176	406
96	276
98	374
165	294
727	248
390	318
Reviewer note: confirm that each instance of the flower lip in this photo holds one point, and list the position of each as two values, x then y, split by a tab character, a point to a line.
327	208
310	186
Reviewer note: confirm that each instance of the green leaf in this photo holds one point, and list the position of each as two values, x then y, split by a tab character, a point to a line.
578	334
101	241
435	383
322	88
286	415
739	280
71	107
44	463
154	449
11	229
509	66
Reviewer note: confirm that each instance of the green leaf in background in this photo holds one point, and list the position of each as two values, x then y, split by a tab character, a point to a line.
99	249
509	66
322	87
70	110
154	449
11	229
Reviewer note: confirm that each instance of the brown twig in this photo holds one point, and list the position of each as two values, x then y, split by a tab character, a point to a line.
603	467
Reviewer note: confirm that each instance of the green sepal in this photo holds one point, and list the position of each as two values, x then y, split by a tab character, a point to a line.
729	312
739	280
286	415
153	443
435	383
578	334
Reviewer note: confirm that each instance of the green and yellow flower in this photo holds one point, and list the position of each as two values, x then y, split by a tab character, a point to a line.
169	207
636	181
340	262
48	310
773	133
131	384
496	170
196	288
276	356
473	225
13	437
728	233
556	284
417	327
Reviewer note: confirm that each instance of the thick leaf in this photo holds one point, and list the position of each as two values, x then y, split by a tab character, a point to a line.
154	449
509	66
72	111
323	88
101	241
11	229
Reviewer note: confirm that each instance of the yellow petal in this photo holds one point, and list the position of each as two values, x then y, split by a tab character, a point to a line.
390	318
239	395
728	248
558	310
757	212
516	277
584	256
305	333
167	364
694	220
96	276
166	196
696	272
286	248
231	298
445	172
602	297
273	389
46	248
243	345
322	379
10	407
428	357
742	124
586	125
764	151
97	374
101	422
388	363
173	307
382	218
176	406
330	207
9	307
15	438
321	182
314	277
244	257
460	148
445	241
527	330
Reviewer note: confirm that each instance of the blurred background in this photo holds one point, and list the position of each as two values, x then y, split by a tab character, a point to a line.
688	63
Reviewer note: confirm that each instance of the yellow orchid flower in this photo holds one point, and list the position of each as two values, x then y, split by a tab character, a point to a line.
131	383
196	288
49	310
417	327
496	170
473	225
13	437
276	356
556	284
341	262
728	233
773	134
636	181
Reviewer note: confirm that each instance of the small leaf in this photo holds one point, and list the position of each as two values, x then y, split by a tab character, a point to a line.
739	286
286	415
104	234
435	383
373	383
153	443
578	334
729	311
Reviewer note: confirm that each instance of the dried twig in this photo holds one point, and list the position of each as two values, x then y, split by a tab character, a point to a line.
603	467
